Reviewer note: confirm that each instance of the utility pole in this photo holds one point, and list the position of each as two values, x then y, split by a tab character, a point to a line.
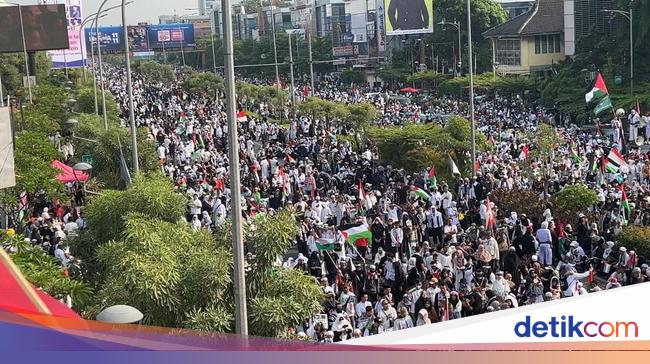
275	50
293	89
471	85
311	59
101	68
129	85
239	282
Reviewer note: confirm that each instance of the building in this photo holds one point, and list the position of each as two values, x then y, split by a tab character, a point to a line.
586	17
202	23
206	7
516	7
531	42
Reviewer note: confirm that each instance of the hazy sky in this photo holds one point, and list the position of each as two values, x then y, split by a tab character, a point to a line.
140	11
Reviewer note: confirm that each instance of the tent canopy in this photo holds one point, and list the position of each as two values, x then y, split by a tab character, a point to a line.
67	174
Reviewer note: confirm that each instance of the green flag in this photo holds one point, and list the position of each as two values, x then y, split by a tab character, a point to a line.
604	104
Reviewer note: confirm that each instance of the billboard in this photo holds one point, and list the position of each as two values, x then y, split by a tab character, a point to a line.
111	39
45	28
171	36
75	55
408	16
343	51
138	40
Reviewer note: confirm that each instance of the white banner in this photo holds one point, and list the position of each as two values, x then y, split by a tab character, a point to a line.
75	56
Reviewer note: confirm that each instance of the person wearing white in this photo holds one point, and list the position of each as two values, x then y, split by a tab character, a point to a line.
573	281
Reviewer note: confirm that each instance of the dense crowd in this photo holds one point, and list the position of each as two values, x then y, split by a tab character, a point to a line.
393	250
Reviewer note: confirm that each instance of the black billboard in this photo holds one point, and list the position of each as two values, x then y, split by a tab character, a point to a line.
45	26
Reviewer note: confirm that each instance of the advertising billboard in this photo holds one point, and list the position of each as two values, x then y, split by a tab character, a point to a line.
408	16
45	28
111	39
75	55
171	36
138	39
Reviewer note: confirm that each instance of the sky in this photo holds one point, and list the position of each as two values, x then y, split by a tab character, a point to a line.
140	11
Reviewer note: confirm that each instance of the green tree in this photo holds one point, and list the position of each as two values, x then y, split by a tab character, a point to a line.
155	72
206	83
32	158
353	77
45	273
360	114
572	200
179	277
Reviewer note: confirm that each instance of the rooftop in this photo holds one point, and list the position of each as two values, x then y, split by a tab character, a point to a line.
545	17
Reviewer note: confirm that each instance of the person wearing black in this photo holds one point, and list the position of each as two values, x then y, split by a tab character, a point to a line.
408	14
528	243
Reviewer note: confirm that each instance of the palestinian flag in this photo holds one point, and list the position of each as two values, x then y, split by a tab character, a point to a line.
638	107
242	117
598	91
354	233
491	216
604	104
454	167
625	204
431	177
524	152
421	193
575	158
615	161
362	194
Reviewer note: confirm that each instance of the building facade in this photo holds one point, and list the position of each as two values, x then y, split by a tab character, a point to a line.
530	43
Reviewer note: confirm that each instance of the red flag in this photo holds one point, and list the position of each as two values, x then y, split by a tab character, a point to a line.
491	218
638	107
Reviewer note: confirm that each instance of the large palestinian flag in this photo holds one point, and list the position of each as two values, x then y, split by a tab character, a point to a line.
353	233
615	161
421	193
598	91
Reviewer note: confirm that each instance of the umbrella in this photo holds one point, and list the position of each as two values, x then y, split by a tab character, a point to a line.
409	90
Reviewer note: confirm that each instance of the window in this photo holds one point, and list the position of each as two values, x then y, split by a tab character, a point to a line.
548	44
509	52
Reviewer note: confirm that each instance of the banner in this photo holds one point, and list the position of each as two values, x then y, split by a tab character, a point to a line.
408	16
75	55
171	36
111	39
381	20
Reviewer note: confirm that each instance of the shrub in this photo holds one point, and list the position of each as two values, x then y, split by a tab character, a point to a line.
636	238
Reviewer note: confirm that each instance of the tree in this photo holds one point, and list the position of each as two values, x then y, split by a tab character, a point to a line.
179	277
104	146
206	83
33	155
45	273
360	114
574	199
155	72
353	77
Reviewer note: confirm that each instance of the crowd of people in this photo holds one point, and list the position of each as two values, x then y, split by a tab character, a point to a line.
429	250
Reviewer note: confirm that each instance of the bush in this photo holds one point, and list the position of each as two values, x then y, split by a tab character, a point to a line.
513	200
398	146
636	238
573	200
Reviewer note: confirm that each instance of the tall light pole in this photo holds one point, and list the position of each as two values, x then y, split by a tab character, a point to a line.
275	50
90	18
22	32
129	86
456	24
239	283
471	84
101	68
629	15
311	59
293	87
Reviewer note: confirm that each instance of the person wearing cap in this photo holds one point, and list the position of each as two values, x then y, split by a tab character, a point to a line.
612	283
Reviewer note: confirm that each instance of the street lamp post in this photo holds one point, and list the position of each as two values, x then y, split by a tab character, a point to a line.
456	24
629	15
239	281
293	89
129	86
22	32
101	68
471	84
